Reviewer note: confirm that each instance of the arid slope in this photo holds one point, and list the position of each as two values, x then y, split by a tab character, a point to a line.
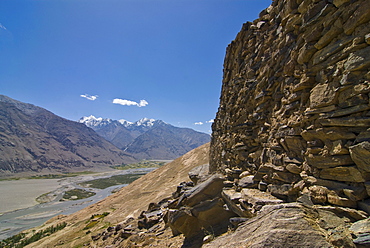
128	202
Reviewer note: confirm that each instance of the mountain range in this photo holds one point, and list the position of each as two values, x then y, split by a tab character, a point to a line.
34	140
147	138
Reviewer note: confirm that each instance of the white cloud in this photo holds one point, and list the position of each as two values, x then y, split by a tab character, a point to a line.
88	97
199	123
2	26
210	121
123	102
143	103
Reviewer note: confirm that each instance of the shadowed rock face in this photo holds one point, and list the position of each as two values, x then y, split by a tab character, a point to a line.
34	140
294	108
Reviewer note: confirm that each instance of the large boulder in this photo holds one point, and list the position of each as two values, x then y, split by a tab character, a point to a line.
206	190
288	225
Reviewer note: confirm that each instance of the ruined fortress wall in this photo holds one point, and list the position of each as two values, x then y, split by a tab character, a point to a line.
294	109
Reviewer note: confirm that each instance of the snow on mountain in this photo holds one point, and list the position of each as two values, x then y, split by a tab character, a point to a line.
97	122
145	122
125	123
94	122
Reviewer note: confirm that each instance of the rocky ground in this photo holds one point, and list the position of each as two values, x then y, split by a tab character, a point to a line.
209	212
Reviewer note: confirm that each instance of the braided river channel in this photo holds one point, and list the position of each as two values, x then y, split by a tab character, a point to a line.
20	211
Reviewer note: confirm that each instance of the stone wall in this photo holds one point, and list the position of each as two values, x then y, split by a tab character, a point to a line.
294	114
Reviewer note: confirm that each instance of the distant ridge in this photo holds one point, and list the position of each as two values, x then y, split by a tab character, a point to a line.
34	140
147	138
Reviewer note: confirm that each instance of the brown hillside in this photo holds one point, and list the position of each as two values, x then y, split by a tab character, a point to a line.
130	201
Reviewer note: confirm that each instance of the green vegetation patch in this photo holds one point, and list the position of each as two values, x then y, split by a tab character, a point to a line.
77	194
94	219
103	183
142	164
21	240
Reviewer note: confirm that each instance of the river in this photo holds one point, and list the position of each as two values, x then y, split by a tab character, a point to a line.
20	211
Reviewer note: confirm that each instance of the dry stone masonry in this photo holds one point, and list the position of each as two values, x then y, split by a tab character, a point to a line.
294	114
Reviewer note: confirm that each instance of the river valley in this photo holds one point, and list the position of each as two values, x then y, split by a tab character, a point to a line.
20	211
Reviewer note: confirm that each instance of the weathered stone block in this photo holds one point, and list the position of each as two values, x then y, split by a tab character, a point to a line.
363	136
285	177
203	191
338	148
292	226
306	53
346	122
338	3
361	229
360	154
293	168
256	197
328	37
335	199
182	221
211	213
331	161
364	205
349	111
199	173
247	182
318	194
361	99
358	60
280	191
231	199
330	133
357	89
361	15
330	50
323	95
344	174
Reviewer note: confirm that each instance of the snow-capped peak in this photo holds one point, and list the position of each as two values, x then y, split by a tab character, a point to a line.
125	123
92	121
145	122
98	122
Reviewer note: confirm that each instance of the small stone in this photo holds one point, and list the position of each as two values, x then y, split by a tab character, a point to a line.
318	194
207	239
367	38
338	148
235	221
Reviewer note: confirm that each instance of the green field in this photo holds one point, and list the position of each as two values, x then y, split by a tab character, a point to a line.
103	183
77	194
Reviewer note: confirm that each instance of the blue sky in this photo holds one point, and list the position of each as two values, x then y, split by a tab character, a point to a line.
120	59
